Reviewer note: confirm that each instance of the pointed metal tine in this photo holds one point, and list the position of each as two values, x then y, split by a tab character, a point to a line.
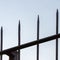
57	17
38	37
38	19
1	40
19	22
1	28
57	21
57	14
1	36
57	11
38	27
19	25
19	40
19	33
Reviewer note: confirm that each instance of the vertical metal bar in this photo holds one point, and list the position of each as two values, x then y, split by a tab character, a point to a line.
19	40
38	38
56	34
11	57
1	40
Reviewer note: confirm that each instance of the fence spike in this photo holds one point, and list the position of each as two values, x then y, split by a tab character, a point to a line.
19	40
57	34
19	33
1	40
38	37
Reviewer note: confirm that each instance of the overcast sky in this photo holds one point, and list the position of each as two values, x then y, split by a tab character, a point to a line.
11	11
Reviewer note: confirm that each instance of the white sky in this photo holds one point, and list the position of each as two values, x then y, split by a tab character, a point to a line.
11	11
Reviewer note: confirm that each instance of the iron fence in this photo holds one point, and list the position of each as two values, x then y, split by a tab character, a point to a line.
14	52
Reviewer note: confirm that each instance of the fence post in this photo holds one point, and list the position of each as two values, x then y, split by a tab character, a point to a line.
19	39
57	34
38	38
1	41
15	55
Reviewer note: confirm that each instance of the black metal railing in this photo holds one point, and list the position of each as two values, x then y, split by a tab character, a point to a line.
12	51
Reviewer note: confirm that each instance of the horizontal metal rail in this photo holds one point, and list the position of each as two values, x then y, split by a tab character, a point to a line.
50	38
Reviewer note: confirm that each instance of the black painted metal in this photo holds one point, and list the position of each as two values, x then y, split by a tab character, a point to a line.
1	40
14	52
19	40
38	38
15	55
57	34
43	40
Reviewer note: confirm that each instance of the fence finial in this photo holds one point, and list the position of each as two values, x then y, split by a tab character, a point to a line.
38	37
57	14
38	18
19	40
19	32
1	37
57	10
57	34
1	40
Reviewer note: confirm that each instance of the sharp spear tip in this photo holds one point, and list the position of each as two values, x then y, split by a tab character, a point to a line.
38	18
19	25
19	22
1	27
38	15
57	10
